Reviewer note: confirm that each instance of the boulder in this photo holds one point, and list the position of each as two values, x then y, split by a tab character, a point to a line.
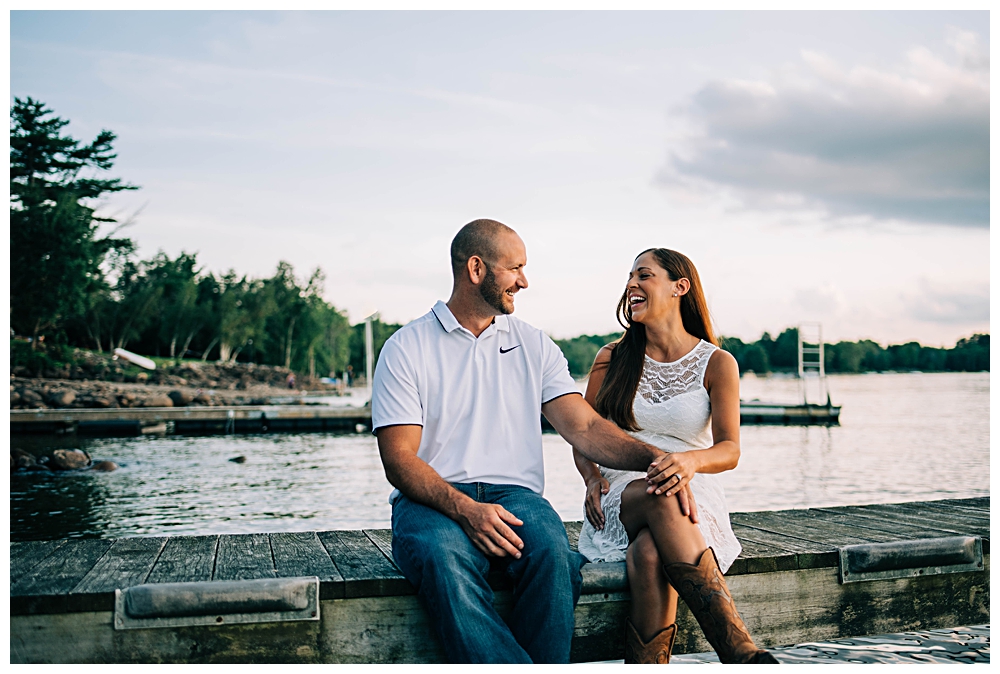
30	398
141	377
202	399
94	401
104	466
239	459
69	459
61	398
20	459
15	398
126	400
180	398
158	400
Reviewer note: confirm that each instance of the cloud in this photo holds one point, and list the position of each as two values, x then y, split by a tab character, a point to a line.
908	144
823	300
954	306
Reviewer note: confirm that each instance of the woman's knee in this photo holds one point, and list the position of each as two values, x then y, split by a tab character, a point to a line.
642	557
667	507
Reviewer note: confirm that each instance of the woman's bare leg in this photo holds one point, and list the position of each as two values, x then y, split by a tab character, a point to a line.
654	601
681	547
677	538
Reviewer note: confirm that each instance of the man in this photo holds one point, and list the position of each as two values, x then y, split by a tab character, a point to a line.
455	405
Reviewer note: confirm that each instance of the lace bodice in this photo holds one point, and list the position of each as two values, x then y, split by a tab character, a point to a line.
663	381
674	412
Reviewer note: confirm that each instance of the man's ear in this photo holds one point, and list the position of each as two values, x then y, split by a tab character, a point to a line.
476	269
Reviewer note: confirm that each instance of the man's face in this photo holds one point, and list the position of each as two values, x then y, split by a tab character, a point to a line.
505	276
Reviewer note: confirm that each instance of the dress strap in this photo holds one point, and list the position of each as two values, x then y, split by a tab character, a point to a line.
705	351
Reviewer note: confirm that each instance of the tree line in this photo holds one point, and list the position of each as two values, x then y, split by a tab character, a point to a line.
75	280
780	354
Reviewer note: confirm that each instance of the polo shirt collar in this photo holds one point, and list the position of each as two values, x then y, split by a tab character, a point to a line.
445	317
450	323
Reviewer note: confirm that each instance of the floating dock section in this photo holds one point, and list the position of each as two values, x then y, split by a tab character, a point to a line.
756	412
337	596
195	420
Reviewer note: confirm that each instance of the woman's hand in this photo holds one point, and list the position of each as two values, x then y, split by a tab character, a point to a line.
592	503
669	474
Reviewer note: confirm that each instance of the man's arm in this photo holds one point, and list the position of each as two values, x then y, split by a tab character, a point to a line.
486	524
597	438
582	424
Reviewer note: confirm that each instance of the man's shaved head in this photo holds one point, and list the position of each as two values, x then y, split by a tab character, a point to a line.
479	238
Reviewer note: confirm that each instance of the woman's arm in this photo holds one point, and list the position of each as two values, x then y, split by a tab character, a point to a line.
722	380
596	484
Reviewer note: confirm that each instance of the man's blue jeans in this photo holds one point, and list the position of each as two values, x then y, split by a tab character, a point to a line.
450	574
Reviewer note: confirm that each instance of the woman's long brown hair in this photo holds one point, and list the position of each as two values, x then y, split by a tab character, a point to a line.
617	392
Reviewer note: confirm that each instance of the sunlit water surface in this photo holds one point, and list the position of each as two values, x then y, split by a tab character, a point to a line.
903	437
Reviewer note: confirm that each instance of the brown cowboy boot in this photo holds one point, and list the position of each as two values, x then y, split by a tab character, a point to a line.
704	590
655	652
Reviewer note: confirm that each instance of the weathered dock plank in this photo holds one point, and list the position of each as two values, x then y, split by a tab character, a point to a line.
302	554
976	502
762	558
46	586
808	554
799	524
573	533
968	512
24	556
886	516
880	530
244	557
381	539
365	569
126	563
185	559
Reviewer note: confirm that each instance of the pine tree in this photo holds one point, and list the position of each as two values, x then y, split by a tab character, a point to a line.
55	247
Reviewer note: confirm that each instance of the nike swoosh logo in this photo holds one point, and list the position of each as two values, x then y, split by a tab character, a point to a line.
508	350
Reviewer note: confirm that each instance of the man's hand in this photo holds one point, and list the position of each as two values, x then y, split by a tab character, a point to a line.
592	503
486	526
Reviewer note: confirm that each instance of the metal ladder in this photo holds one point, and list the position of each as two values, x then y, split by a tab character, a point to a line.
812	372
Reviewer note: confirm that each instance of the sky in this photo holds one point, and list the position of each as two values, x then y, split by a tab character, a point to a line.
819	166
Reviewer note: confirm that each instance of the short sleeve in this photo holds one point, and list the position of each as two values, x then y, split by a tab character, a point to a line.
556	380
395	397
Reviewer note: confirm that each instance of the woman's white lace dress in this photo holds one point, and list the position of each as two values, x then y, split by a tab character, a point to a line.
673	410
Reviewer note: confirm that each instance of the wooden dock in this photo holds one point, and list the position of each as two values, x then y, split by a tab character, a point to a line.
194	420
756	412
197	420
804	575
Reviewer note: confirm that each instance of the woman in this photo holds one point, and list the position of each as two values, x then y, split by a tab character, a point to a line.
667	383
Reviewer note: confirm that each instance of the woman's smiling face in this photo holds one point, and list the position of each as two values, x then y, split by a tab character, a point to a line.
650	290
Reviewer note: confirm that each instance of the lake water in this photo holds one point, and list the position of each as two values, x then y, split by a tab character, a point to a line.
903	437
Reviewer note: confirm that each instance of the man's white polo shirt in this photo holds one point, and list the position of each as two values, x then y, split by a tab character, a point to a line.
478	399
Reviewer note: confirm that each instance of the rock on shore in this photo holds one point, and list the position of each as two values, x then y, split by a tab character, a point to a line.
69	459
98	382
60	459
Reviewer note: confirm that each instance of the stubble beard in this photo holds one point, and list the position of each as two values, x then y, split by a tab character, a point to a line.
493	294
